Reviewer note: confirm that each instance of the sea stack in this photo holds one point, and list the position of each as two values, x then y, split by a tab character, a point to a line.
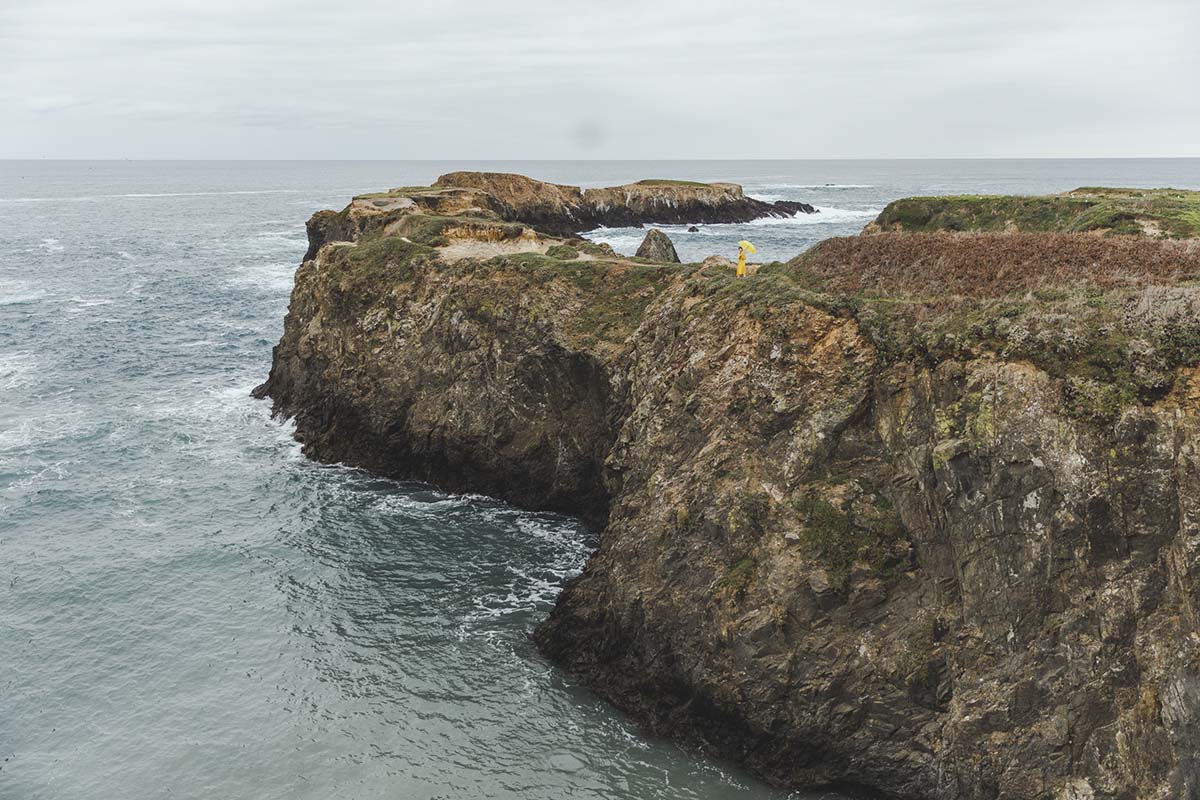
657	246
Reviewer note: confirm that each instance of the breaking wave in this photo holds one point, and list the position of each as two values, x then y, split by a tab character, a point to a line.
825	215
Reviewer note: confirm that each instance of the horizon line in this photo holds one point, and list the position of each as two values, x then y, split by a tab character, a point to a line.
640	159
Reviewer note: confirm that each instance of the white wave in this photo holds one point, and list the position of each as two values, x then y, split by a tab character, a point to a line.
52	423
220	424
51	246
20	293
206	194
819	186
825	216
617	239
293	232
262	223
564	550
17	369
86	302
47	199
408	506
32	482
278	276
143	195
626	240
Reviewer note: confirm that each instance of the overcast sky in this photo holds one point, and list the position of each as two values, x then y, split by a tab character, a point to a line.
609	79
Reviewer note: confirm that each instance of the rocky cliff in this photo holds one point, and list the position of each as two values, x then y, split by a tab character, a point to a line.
548	207
868	518
566	209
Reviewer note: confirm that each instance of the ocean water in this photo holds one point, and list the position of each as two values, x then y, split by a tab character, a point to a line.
190	609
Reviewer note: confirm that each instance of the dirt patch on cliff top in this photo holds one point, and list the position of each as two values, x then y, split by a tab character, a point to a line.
516	190
992	264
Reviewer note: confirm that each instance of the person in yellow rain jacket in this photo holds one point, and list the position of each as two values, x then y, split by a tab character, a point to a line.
744	247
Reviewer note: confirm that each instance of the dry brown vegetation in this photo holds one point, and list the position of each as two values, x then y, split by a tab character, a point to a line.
1114	317
992	264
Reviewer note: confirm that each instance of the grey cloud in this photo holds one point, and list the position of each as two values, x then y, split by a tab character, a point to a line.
535	78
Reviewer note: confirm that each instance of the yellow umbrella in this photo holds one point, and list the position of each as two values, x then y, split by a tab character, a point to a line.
749	248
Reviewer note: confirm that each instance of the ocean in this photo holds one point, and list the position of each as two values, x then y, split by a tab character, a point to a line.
190	609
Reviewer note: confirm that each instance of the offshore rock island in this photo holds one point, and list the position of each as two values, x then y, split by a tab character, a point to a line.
917	511
551	208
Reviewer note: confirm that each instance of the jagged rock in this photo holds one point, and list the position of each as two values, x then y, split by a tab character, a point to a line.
550	208
657	246
717	261
837	546
560	209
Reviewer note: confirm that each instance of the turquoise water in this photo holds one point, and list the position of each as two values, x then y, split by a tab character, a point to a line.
190	609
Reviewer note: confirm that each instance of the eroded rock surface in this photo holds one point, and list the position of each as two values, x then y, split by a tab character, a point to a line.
657	246
942	550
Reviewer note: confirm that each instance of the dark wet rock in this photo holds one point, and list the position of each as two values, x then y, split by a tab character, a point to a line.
657	246
790	208
693	229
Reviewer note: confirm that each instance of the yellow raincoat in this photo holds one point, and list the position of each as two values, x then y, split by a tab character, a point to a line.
743	248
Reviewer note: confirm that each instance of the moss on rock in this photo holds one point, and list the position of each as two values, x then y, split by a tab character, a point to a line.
1165	213
563	252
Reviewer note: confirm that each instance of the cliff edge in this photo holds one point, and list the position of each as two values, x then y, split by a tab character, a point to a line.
550	208
913	512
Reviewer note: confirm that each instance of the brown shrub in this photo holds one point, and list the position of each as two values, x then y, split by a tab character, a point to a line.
992	264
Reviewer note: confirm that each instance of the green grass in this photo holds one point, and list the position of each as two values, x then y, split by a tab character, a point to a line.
595	249
775	284
1175	212
1081	335
1085	336
669	182
981	213
563	252
357	274
839	539
617	297
737	577
399	191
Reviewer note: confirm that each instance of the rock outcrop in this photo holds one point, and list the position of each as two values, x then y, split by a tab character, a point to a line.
854	530
657	246
566	210
487	198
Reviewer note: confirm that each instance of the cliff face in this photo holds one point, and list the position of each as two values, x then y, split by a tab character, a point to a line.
851	533
393	362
